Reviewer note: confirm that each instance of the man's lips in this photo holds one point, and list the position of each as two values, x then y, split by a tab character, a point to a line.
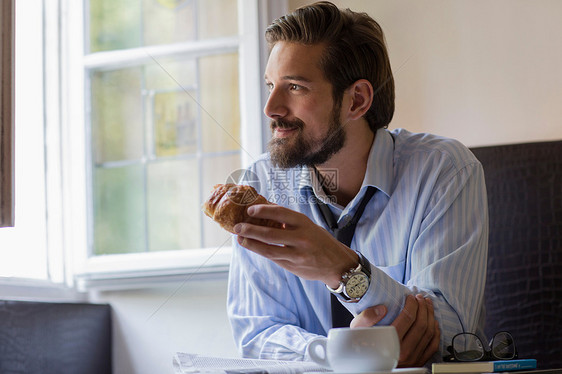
281	132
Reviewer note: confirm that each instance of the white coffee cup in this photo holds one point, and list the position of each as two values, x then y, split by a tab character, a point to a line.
357	350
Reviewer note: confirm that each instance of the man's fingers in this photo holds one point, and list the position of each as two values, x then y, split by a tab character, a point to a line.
407	317
262	233
275	213
433	346
432	336
288	217
423	330
414	341
369	317
272	252
423	339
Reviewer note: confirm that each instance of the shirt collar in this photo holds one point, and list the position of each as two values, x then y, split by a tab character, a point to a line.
380	168
380	165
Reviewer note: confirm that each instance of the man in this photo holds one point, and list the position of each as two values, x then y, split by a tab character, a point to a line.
423	232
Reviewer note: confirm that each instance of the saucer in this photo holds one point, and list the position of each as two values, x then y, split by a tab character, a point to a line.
395	371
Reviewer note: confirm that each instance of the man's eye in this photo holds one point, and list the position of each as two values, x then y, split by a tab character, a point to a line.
269	86
294	87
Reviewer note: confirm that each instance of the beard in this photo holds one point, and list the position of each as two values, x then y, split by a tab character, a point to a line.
300	151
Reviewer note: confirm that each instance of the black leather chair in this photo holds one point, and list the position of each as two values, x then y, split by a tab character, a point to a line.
524	284
57	338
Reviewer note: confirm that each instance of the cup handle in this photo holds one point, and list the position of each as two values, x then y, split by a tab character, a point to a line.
312	349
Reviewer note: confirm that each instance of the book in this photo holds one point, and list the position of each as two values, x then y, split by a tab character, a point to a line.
484	366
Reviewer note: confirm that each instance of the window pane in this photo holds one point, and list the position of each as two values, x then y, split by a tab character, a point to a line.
174	206
164	132
119	210
175	121
169	21
219	99
162	119
122	24
217	18
114	24
217	170
117	125
171	107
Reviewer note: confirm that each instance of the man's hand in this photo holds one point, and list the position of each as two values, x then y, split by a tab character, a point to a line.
302	247
417	328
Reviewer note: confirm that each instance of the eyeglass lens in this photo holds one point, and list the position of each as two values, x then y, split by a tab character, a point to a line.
503	346
468	347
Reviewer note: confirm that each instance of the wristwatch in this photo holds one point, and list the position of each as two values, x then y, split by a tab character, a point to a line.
354	283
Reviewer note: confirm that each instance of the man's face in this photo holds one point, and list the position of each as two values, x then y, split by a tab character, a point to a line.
305	121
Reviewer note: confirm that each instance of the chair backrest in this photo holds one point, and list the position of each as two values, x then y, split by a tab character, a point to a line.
39	337
524	283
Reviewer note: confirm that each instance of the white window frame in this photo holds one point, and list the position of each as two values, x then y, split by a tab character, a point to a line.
55	285
144	269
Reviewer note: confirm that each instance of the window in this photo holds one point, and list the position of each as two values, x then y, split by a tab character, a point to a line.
163	128
139	108
164	87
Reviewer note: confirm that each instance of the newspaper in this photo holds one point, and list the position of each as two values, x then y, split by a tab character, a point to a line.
185	363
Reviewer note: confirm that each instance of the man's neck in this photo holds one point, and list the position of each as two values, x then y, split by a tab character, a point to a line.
351	165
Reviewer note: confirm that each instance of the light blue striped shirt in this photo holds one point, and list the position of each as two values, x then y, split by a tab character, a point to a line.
424	231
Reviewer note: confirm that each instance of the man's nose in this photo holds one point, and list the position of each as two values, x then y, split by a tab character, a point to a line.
275	107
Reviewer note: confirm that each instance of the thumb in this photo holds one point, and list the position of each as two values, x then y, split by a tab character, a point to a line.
369	317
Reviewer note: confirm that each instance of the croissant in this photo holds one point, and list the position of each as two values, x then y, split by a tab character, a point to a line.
228	204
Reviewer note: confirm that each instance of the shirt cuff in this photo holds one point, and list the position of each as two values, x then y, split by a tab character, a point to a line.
383	290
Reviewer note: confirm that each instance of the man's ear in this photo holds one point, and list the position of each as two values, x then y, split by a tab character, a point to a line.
361	95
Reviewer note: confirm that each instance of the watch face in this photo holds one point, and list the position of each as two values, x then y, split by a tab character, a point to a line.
357	285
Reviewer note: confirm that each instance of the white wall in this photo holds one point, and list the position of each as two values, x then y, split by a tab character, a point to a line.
150	325
482	72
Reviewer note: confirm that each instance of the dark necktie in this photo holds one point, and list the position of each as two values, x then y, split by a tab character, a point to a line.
341	317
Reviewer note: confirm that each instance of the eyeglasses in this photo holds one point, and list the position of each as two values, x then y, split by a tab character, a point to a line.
468	347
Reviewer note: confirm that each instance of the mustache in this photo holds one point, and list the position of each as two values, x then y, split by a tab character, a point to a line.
286	124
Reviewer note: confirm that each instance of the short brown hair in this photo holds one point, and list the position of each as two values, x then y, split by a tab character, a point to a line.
355	49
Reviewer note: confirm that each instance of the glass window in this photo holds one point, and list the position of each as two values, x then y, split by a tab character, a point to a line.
122	24
163	130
